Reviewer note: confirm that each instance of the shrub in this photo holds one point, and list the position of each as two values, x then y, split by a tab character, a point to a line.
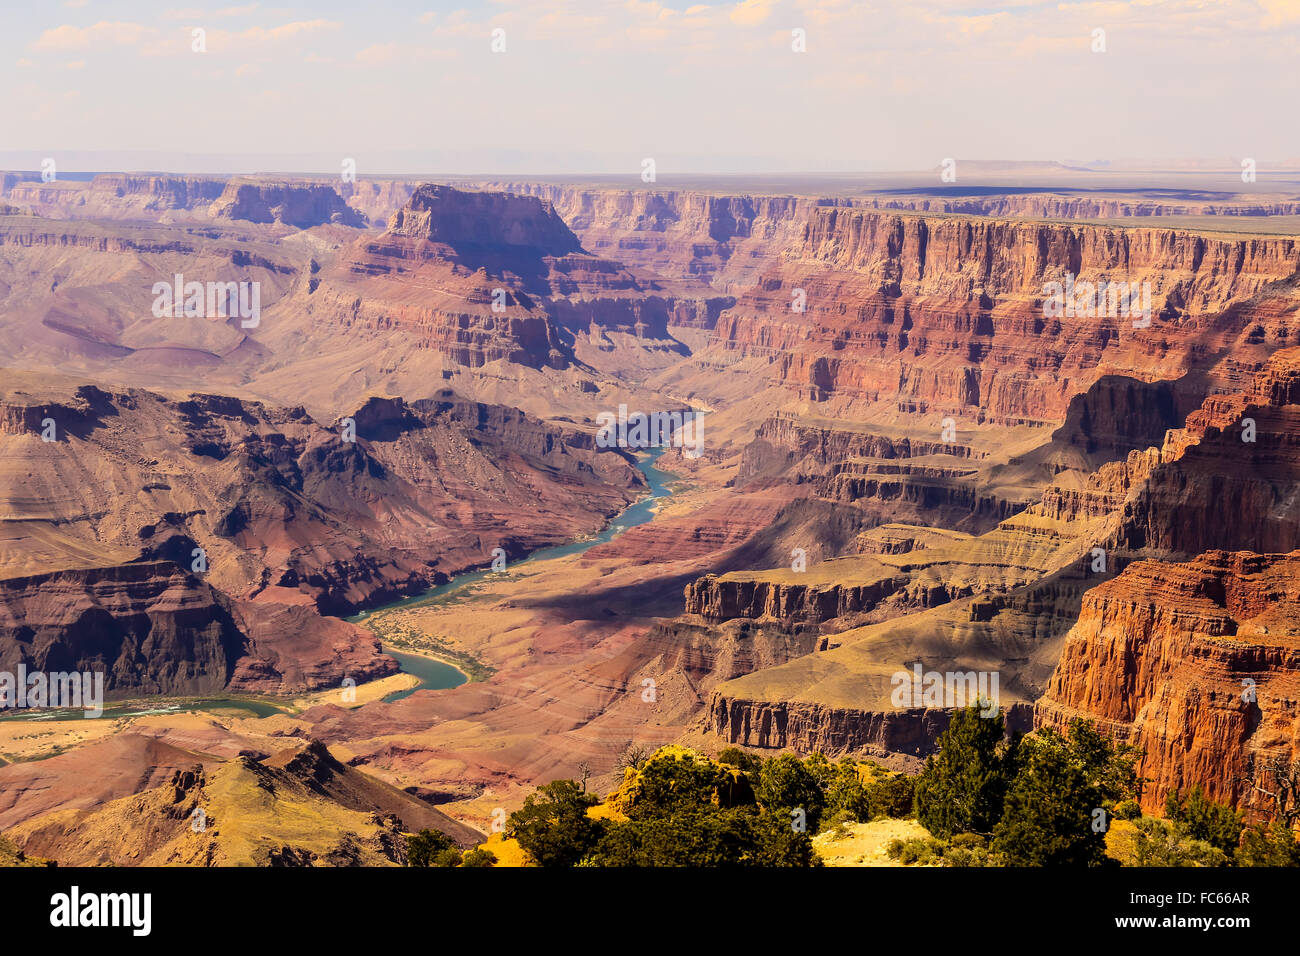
479	857
429	848
1160	843
971	856
1274	845
838	825
1201	819
1127	810
914	851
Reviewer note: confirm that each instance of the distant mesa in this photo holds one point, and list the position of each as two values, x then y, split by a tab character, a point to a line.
301	206
458	218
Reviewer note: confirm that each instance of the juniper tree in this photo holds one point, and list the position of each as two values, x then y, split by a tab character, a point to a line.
962	788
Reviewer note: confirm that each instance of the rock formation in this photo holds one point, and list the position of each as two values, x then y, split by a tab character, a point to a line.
486	277
296	808
1197	664
301	206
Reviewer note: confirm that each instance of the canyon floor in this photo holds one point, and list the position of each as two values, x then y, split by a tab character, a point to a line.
910	452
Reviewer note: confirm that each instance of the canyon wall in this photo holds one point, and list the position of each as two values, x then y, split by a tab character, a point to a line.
947	315
279	501
483	277
1050	206
722	239
148	627
167	198
807	727
1197	664
151	628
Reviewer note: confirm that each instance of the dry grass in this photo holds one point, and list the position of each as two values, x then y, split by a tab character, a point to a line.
866	843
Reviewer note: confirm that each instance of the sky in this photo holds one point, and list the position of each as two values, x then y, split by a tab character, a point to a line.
601	85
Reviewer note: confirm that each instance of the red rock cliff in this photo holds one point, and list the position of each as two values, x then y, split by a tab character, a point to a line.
1198	664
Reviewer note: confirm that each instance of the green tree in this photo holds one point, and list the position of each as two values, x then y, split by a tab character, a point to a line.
891	795
846	795
1202	819
553	827
735	757
676	782
962	788
1274	845
479	857
786	785
1110	766
1049	813
429	848
704	837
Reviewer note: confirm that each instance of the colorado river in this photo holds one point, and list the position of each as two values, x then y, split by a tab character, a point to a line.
439	675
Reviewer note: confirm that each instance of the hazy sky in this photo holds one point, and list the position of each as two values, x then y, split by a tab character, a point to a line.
597	85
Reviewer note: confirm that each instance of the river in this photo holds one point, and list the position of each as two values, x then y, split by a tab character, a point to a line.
439	675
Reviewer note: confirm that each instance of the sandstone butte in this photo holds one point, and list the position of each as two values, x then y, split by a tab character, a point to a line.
946	456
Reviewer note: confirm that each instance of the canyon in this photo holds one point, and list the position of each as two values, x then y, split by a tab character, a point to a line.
907	460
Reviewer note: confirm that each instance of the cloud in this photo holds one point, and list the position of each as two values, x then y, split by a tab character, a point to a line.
260	35
1281	11
919	64
380	54
751	12
104	33
196	14
150	41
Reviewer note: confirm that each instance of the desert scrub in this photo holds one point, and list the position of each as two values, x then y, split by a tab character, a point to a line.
970	849
915	851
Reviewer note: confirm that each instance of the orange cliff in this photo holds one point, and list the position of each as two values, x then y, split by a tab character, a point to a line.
1197	664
